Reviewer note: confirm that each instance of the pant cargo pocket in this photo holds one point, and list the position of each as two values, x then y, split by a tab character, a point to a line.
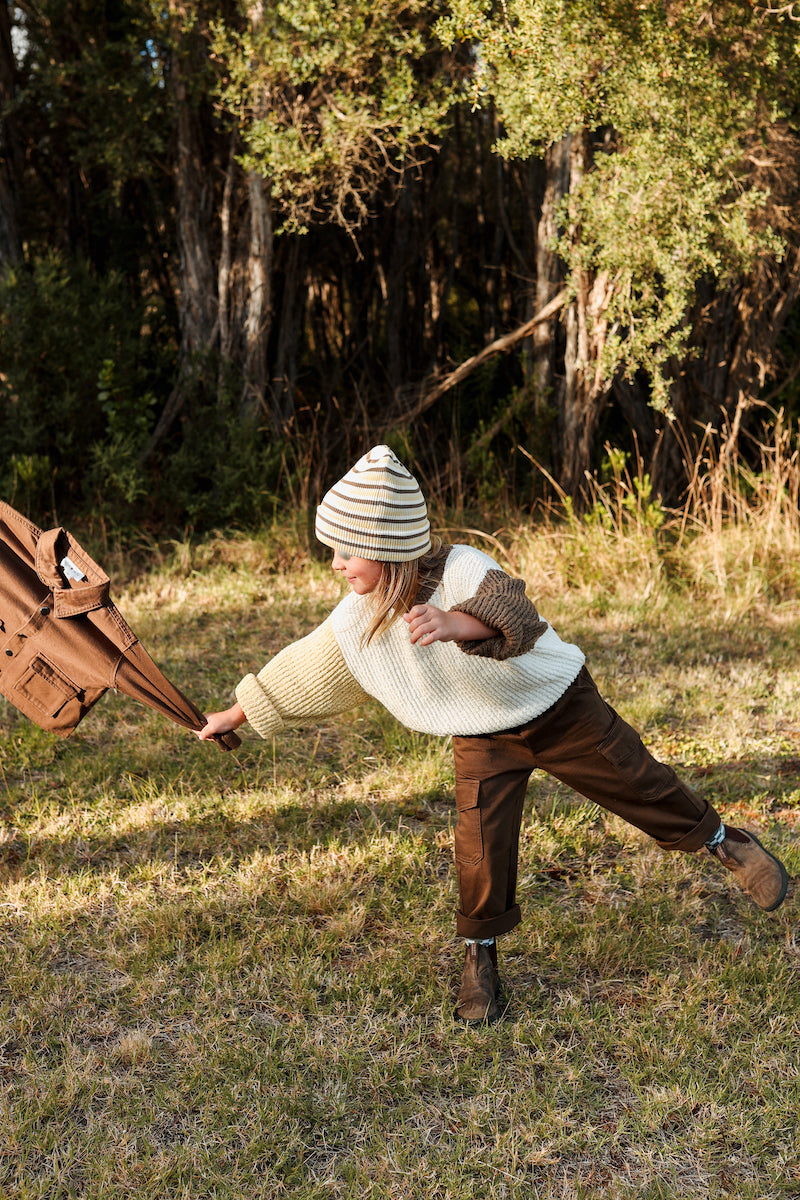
645	776
469	834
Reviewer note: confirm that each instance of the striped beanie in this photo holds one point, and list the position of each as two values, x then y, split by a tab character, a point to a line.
376	511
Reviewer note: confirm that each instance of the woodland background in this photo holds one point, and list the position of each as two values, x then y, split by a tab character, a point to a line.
239	241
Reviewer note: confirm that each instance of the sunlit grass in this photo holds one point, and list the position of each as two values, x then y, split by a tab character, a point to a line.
232	975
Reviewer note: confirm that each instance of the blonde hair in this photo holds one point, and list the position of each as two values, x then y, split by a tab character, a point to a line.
396	591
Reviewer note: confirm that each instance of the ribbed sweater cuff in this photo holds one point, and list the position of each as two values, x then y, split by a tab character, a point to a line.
261	713
500	602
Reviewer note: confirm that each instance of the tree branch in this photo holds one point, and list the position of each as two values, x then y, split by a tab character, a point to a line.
498	346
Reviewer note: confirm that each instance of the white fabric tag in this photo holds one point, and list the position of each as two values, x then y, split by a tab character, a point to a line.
71	570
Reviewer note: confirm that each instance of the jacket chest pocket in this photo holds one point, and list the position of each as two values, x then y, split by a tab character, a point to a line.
45	687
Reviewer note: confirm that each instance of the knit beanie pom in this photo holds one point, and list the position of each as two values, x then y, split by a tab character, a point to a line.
376	511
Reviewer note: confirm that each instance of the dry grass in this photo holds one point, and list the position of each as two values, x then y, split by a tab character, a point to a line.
231	975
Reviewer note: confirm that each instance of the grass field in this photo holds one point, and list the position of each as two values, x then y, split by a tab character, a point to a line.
232	975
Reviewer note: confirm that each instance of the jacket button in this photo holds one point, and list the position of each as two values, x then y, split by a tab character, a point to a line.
44	610
10	653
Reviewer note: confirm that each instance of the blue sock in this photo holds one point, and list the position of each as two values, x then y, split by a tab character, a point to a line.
717	837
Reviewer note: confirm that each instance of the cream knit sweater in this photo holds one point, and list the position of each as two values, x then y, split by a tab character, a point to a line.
444	688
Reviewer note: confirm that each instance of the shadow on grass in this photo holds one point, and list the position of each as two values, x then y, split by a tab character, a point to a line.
277	830
125	761
762	790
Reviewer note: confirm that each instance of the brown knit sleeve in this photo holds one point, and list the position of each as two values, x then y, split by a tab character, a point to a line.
501	603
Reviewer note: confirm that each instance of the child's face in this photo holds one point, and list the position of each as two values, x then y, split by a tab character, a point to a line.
361	573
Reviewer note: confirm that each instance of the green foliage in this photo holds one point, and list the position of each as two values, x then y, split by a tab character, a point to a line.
225	468
74	401
508	418
31	478
330	98
116	476
335	104
669	95
89	70
96	122
627	497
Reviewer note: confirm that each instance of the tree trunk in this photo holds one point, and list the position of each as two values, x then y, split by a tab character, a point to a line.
400	260
258	294
10	158
549	274
585	389
292	308
197	291
733	349
225	269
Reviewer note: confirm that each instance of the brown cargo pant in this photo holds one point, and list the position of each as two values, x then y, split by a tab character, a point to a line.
582	741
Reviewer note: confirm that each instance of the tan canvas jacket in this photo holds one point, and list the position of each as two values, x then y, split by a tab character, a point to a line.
63	642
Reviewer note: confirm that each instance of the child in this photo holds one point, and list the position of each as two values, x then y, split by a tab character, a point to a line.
451	646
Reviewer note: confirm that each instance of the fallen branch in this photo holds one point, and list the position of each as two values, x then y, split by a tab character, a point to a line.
498	346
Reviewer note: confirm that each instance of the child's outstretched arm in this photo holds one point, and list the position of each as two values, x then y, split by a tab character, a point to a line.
305	682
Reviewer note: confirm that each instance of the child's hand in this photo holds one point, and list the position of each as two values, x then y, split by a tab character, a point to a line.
222	722
429	624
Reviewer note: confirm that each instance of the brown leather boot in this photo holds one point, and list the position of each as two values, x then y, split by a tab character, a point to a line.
761	875
479	996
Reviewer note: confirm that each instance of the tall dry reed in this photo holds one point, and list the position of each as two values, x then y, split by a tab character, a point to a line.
734	541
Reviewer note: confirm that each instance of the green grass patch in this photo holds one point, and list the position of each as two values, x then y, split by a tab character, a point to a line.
232	975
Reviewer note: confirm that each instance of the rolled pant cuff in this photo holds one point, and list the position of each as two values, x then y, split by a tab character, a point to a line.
493	927
697	837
